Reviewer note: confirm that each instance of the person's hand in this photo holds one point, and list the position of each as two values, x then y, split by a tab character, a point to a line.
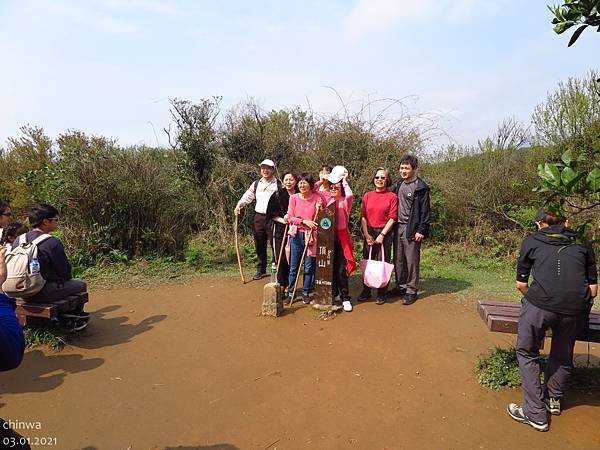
310	224
419	237
379	239
369	238
2	253
237	210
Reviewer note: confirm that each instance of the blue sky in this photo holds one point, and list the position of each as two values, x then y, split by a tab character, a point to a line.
109	67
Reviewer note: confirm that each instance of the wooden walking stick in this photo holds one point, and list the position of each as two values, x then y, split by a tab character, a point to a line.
308	236
281	249
237	248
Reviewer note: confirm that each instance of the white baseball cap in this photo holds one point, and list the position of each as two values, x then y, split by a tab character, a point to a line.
267	162
337	174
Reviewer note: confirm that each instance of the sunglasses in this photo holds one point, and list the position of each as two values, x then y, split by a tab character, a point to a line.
333	187
8	214
380	178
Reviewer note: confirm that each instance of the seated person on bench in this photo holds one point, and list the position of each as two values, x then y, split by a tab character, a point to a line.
12	231
54	265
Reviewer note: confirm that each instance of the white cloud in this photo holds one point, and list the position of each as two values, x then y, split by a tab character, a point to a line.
370	15
93	19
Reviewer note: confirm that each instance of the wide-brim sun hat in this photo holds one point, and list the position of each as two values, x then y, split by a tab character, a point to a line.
337	174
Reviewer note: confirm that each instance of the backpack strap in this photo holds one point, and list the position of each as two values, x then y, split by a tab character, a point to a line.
255	186
41	238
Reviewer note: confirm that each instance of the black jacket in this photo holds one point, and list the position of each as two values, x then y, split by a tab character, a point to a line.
54	264
562	270
278	206
420	212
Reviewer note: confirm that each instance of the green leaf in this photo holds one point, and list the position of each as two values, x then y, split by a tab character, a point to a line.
569	176
577	33
593	180
567	157
561	27
551	174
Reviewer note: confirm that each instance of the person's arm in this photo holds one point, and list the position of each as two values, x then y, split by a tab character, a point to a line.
246	199
2	264
365	231
593	290
58	259
524	264
424	219
387	229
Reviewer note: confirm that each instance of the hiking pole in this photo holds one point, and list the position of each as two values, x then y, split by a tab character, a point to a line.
237	248
307	238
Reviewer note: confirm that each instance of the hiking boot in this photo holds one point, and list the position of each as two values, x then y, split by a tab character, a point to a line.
553	405
396	292
409	299
364	295
305	299
258	275
380	301
347	305
517	413
76	315
80	324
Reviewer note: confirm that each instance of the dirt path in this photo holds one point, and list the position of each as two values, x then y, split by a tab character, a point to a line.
211	374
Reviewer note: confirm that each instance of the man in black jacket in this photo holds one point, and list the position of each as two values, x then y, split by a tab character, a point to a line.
565	282
414	215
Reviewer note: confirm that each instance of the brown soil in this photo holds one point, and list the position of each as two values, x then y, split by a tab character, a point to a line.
195	367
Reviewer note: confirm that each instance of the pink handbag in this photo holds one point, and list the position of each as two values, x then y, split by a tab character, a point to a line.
376	274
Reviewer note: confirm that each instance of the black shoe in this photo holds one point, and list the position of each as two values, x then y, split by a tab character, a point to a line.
258	275
364	295
409	299
305	299
380	301
396	292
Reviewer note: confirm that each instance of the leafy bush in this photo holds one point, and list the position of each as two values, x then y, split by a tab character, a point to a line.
499	368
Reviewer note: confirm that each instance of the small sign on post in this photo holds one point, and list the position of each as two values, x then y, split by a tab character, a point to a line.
325	251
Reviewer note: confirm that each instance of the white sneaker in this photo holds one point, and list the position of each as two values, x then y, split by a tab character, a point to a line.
347	305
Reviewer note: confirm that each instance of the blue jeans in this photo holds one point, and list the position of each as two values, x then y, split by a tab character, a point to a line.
296	250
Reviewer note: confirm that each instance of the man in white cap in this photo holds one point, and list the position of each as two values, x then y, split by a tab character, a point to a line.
261	190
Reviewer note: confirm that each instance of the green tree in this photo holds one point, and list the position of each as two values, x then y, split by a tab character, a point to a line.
585	13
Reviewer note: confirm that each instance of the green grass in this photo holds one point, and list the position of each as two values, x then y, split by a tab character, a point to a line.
499	368
45	335
468	273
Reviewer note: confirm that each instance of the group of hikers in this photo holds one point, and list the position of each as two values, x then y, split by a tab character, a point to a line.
395	217
44	255
394	220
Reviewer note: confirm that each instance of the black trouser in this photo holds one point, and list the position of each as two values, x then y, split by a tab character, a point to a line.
263	235
283	274
533	323
340	275
387	247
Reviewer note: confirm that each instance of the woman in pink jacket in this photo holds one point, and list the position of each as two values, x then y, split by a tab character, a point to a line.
301	217
343	261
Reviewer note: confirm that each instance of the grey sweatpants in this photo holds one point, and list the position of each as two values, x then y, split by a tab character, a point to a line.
533	323
407	258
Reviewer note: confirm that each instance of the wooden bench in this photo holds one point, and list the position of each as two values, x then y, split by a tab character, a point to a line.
504	318
48	310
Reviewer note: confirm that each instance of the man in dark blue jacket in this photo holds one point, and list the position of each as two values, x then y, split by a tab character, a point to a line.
414	215
565	282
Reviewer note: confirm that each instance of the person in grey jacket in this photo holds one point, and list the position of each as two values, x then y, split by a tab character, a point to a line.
565	282
414	217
